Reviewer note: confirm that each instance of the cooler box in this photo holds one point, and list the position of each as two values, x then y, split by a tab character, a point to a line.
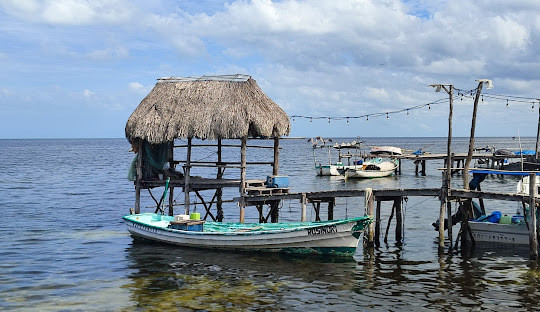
181	217
277	181
188	225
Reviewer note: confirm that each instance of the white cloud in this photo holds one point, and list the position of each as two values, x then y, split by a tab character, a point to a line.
69	12
322	57
138	87
87	93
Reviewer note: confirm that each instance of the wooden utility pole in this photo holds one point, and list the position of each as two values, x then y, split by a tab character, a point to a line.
473	127
445	189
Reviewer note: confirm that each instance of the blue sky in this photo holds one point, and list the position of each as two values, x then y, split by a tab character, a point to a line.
73	68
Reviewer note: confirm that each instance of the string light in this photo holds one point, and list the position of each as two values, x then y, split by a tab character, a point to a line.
460	93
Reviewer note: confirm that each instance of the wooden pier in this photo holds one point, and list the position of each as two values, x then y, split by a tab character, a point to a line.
491	161
373	200
207	112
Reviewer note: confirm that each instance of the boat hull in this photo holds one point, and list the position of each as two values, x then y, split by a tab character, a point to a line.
386	169
326	238
331	170
367	174
516	234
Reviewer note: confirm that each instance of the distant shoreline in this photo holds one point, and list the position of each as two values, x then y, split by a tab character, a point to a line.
294	138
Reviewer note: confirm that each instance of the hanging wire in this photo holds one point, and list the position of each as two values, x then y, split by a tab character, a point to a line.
460	94
348	118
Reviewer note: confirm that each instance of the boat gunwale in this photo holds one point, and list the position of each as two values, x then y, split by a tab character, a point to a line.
295	229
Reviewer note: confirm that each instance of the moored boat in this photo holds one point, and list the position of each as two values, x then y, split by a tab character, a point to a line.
375	168
337	237
504	229
516	234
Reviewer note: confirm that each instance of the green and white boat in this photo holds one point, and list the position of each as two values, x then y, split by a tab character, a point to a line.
337	237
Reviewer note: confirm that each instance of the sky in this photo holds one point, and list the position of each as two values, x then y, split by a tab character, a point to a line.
78	69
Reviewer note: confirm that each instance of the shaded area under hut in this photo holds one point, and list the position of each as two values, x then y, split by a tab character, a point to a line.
208	108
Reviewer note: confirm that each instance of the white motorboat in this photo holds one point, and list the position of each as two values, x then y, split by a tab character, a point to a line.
375	168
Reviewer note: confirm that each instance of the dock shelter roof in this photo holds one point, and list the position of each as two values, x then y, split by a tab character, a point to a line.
206	107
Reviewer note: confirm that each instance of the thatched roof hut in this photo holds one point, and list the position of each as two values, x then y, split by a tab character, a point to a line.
206	107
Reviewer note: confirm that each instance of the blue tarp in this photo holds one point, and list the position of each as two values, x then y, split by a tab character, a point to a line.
493	171
526	152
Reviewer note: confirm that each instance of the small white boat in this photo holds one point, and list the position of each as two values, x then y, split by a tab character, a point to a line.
337	237
375	168
523	185
516	234
336	169
386	150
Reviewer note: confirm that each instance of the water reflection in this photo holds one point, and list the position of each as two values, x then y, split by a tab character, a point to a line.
170	278
389	278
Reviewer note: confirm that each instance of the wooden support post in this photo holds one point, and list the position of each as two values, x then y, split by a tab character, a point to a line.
424	167
399	220
399	166
416	163
465	229
187	176
331	205
219	191
449	218
171	188
368	211
537	133
317	208
533	237
138	179
446	186
261	215
378	223
274	211
241	203
303	201
275	170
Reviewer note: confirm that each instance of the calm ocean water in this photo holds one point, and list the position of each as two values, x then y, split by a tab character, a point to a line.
64	246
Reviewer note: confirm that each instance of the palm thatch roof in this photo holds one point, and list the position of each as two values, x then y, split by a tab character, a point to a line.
206	107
